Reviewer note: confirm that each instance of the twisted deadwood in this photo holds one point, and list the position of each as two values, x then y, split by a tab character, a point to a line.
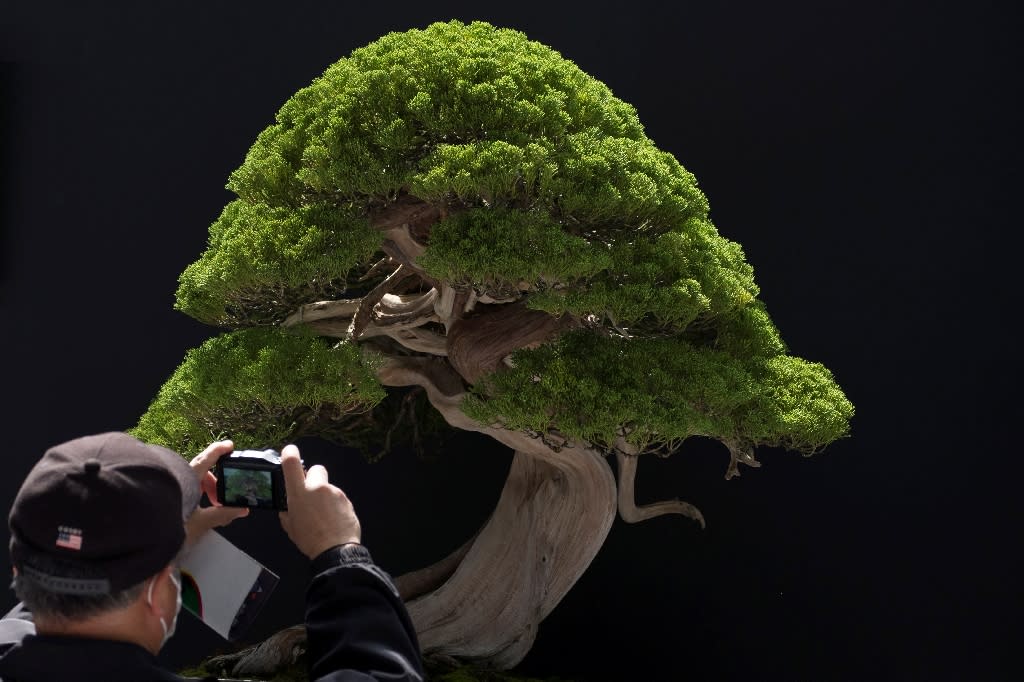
478	344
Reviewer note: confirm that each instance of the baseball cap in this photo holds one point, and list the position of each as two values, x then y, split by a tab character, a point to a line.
106	505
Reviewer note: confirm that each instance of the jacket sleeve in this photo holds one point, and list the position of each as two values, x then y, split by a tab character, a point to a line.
356	624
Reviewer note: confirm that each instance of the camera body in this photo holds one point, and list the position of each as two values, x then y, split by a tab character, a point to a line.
251	478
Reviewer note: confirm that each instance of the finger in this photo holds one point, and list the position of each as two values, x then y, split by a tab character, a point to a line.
291	467
222	516
205	460
208	485
205	519
215	517
316	476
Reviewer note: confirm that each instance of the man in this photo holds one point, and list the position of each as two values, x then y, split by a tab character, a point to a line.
97	527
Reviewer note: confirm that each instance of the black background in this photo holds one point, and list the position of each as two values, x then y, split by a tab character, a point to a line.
863	153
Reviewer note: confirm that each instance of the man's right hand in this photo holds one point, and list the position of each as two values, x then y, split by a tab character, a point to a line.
320	515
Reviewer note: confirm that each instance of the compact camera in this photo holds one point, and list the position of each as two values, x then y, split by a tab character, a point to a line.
251	478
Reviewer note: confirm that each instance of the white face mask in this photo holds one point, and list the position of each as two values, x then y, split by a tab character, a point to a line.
168	631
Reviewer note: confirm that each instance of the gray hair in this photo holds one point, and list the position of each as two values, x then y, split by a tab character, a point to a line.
50	604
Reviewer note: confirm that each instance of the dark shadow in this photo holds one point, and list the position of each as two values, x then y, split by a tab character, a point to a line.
9	153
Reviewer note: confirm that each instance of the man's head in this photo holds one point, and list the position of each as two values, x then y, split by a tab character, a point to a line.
96	522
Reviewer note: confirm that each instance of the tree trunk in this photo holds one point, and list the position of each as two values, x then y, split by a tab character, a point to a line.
553	516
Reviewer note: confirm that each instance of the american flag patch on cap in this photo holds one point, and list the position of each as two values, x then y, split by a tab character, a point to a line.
69	537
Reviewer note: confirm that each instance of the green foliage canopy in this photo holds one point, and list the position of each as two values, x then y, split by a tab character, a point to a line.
462	115
261	387
550	191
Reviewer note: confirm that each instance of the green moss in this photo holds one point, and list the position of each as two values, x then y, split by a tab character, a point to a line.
261	387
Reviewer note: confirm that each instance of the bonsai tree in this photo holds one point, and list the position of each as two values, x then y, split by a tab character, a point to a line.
457	228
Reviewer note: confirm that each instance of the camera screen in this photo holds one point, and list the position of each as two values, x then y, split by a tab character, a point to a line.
248	487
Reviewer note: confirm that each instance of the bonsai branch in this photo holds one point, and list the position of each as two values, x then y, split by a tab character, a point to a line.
362	315
395	309
406	223
628	509
395	316
452	304
739	453
416	340
445	391
375	268
322	310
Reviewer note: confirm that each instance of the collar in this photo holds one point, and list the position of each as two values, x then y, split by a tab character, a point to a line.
51	657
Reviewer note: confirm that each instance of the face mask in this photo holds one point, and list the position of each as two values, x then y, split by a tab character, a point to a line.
168	631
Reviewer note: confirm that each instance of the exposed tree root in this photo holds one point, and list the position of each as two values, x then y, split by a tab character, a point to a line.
280	650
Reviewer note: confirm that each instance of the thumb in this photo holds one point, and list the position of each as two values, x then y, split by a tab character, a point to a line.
209	518
294	475
222	516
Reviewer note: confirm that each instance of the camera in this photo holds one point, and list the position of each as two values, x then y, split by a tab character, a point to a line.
251	478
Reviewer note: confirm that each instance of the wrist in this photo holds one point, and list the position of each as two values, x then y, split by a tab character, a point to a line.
340	555
319	548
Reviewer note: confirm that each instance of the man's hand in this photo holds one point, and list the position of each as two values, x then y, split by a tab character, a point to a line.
204	519
320	515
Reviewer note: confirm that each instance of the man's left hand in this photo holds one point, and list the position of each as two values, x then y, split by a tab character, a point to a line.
207	518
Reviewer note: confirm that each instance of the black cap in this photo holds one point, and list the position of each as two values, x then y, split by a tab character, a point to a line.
107	504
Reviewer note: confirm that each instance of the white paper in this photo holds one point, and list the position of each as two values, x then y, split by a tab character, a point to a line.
223	585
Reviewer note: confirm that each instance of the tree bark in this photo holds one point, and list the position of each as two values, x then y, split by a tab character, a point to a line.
477	345
552	518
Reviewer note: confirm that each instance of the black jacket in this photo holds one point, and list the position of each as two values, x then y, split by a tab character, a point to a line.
357	628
